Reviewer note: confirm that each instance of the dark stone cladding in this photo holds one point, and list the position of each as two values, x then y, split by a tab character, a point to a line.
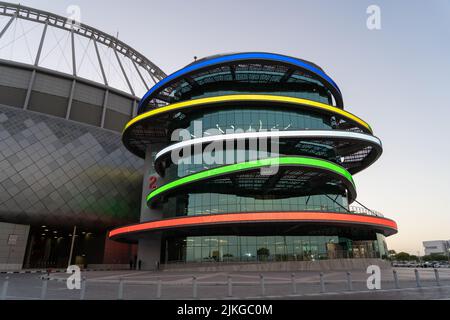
59	172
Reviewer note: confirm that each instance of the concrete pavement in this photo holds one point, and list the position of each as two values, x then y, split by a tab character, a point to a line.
143	285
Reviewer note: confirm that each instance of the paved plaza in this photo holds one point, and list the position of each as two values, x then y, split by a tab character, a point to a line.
148	285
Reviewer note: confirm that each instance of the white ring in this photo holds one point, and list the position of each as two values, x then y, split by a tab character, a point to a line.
272	134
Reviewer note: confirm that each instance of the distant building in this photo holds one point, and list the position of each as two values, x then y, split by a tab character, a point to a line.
436	247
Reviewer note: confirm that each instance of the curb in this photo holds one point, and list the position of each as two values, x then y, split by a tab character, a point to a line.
53	271
27	271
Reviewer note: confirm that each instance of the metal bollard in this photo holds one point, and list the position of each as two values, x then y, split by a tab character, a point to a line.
159	289
322	283
417	278
120	292
44	288
194	287
83	288
230	286
263	285
436	275
294	284
397	285
349	281
5	289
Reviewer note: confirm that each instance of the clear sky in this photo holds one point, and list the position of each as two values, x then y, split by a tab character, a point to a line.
396	78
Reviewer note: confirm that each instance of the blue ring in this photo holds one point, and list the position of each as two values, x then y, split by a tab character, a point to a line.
234	57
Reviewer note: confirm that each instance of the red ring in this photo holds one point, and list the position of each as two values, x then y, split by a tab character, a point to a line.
254	217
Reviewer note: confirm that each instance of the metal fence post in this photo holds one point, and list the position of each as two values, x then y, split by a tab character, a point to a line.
230	286
5	289
322	283
159	289
120	293
417	278
397	285
194	287
83	288
294	284
44	288
349	281
436	275
263	285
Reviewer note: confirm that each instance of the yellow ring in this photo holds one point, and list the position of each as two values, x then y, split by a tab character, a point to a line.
248	97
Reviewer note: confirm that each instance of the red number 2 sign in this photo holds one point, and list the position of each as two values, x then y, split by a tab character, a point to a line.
152	182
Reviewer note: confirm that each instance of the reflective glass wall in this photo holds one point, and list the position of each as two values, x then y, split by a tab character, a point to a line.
269	248
250	79
218	154
253	120
215	203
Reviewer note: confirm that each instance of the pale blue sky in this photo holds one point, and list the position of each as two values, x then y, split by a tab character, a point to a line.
396	78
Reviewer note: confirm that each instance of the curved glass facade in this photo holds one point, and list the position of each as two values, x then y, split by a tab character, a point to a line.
314	94
271	248
252	120
215	158
215	203
225	199
220	81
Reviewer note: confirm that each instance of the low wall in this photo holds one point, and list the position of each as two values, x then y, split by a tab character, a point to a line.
10	266
13	243
108	267
320	265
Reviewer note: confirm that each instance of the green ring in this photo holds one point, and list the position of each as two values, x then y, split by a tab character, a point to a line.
302	161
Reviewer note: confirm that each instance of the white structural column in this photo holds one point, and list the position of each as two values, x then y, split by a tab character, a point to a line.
151	181
135	107
100	62
105	104
105	81
74	72
7	25
149	249
140	76
36	64
124	73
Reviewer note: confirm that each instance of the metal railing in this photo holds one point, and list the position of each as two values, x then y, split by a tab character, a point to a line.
361	210
312	208
228	286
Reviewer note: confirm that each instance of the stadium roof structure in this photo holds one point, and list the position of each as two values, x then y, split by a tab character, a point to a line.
40	39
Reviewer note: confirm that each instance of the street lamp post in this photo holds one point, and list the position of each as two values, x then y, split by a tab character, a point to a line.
74	234
448	254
